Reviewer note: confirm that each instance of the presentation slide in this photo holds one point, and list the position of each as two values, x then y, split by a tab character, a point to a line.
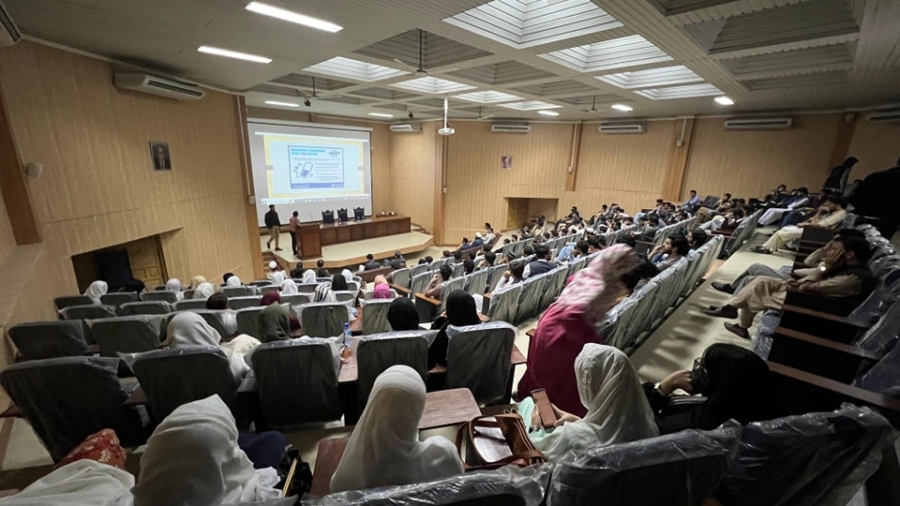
309	168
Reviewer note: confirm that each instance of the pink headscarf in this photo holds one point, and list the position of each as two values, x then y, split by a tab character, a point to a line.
382	291
594	289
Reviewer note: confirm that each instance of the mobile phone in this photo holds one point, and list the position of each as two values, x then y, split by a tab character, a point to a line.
545	409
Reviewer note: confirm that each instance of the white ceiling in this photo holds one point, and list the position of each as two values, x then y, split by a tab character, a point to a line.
768	55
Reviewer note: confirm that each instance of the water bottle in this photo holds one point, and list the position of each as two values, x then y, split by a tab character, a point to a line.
347	334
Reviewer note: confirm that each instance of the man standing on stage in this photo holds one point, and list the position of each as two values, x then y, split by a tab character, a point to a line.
294	223
274	226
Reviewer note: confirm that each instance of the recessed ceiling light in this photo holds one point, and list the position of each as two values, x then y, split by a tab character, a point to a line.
282	104
293	17
724	101
548	113
381	115
621	107
233	54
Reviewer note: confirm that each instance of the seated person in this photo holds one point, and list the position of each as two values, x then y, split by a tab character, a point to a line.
541	264
844	274
433	289
464	245
515	274
830	215
735	381
570	323
468	266
776	196
395	262
477	242
384	448
731	222
204	291
190	330
697	238
402	315
571	251
488	261
692	204
617	409
460	311
370	264
321	271
297	271
798	199
457	256
672	250
724	204
219	302
489	234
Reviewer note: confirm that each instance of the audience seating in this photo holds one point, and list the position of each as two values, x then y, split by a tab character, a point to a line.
323	319
128	334
346	296
72	300
40	340
266	289
296	381
238	291
215	319
248	320
261	282
740	234
296	299
504	305
478	358
681	468
190	304
476	283
188	294
376	353
243	302
401	277
374	315
65	400
368	294
306	287
118	298
530	298
145	307
163	295
88	312
170	378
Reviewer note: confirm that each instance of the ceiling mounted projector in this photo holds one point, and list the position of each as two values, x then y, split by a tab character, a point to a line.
446	131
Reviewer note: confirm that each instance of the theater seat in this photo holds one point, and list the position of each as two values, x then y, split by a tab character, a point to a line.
40	340
479	358
72	300
323	319
88	312
374	317
376	353
128	334
145	307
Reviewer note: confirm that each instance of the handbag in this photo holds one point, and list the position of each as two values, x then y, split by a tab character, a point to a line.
295	474
491	442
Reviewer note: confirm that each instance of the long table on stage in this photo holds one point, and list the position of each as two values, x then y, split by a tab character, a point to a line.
315	235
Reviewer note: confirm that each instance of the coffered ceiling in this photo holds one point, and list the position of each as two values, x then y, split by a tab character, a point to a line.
506	58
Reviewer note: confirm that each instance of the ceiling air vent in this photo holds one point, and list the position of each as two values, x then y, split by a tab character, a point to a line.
758	123
511	128
891	115
622	128
406	127
158	86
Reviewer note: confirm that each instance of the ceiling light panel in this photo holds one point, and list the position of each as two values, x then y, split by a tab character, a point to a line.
217	51
623	52
694	90
668	76
527	23
353	69
432	85
530	105
487	97
292	17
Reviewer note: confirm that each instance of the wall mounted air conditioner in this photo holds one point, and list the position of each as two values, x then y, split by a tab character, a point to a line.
406	127
158	86
511	128
612	127
891	115
9	33
758	123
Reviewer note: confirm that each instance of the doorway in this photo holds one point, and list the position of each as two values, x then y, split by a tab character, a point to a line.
521	210
141	259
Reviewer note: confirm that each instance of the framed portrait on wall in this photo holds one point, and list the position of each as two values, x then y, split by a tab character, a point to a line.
159	156
506	162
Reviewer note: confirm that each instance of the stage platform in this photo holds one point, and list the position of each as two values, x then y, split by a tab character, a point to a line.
351	254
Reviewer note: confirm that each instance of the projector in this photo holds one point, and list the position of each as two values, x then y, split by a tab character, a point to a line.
446	131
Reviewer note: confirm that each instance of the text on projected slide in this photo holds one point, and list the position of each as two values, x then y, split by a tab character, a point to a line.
316	167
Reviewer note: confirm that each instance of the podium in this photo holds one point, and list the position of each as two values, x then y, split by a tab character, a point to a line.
310	238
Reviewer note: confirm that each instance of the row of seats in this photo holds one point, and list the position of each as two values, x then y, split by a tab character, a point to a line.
676	228
741	234
819	458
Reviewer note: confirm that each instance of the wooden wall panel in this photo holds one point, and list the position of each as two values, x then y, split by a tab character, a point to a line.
412	174
876	145
477	185
98	188
749	163
7	239
628	169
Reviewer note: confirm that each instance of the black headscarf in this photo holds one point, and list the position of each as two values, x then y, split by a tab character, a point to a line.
339	282
402	314
274	324
738	386
461	312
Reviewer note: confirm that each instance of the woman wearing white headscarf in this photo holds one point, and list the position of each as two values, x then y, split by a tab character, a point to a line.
81	483
289	287
189	330
324	294
384	449
278	278
204	290
96	289
309	276
233	282
193	459
617	408
174	285
347	275
197	281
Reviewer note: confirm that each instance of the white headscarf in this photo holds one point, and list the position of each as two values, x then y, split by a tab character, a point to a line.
188	330
193	458
97	289
204	291
618	411
278	278
234	282
324	294
81	483
384	448
309	276
197	281
173	285
347	275
289	287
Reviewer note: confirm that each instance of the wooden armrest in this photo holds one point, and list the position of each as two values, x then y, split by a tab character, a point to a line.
430	300
823	357
823	315
437	369
842	391
401	289
828	343
838	306
723	233
531	332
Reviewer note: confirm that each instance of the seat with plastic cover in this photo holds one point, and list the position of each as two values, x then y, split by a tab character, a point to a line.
505	304
244	301
238	291
145	307
479	358
323	319
374	315
163	295
65	400
40	340
88	312
530	298
128	334
72	300
247	320
376	353
116	299
297	381
190	304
